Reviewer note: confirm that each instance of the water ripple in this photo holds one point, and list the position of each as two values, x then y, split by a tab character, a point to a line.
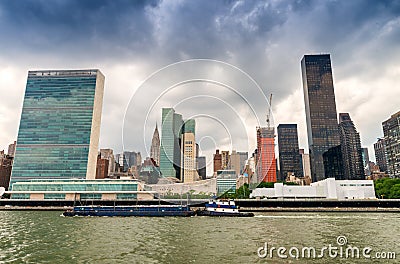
45	237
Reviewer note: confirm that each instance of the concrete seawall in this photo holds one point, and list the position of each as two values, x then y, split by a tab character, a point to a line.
320	209
248	205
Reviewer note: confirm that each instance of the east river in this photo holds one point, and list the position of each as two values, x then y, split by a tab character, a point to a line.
46	237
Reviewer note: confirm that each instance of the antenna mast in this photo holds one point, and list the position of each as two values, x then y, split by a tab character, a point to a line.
269	111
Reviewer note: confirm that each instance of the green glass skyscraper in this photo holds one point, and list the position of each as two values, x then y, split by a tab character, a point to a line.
189	126
59	130
171	130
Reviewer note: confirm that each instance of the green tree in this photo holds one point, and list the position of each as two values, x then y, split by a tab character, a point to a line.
387	188
243	192
395	192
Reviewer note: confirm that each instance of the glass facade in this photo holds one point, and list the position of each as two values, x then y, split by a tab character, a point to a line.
57	189
226	186
333	163
171	131
289	157
54	196
56	127
320	106
167	143
123	196
189	126
76	185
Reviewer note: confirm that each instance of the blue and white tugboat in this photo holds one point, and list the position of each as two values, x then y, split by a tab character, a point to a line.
222	208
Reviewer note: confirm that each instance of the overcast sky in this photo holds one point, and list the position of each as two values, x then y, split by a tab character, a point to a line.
130	40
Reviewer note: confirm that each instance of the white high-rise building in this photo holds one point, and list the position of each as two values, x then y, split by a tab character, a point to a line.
188	158
305	160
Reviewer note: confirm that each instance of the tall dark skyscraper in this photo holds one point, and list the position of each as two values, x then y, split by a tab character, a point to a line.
380	154
351	149
321	116
391	130
289	157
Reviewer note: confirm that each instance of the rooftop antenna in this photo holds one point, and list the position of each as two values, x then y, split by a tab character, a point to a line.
269	111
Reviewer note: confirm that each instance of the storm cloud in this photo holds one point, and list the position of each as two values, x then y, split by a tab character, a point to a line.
130	40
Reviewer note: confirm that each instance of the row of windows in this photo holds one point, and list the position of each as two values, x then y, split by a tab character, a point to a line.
38	161
86	100
356	184
49	141
75	187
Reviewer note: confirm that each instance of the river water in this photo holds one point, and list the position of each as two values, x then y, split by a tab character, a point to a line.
46	237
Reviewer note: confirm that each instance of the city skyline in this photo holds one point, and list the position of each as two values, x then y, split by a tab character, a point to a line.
159	122
363	75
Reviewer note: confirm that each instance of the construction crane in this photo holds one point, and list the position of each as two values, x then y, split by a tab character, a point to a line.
269	111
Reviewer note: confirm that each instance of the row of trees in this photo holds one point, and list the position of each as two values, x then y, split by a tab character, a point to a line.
387	188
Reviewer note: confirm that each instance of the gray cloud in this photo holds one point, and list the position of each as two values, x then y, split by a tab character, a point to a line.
86	28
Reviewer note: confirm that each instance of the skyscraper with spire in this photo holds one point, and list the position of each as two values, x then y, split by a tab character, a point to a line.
155	147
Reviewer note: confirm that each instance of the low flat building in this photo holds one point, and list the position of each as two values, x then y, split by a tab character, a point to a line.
165	186
79	189
325	189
